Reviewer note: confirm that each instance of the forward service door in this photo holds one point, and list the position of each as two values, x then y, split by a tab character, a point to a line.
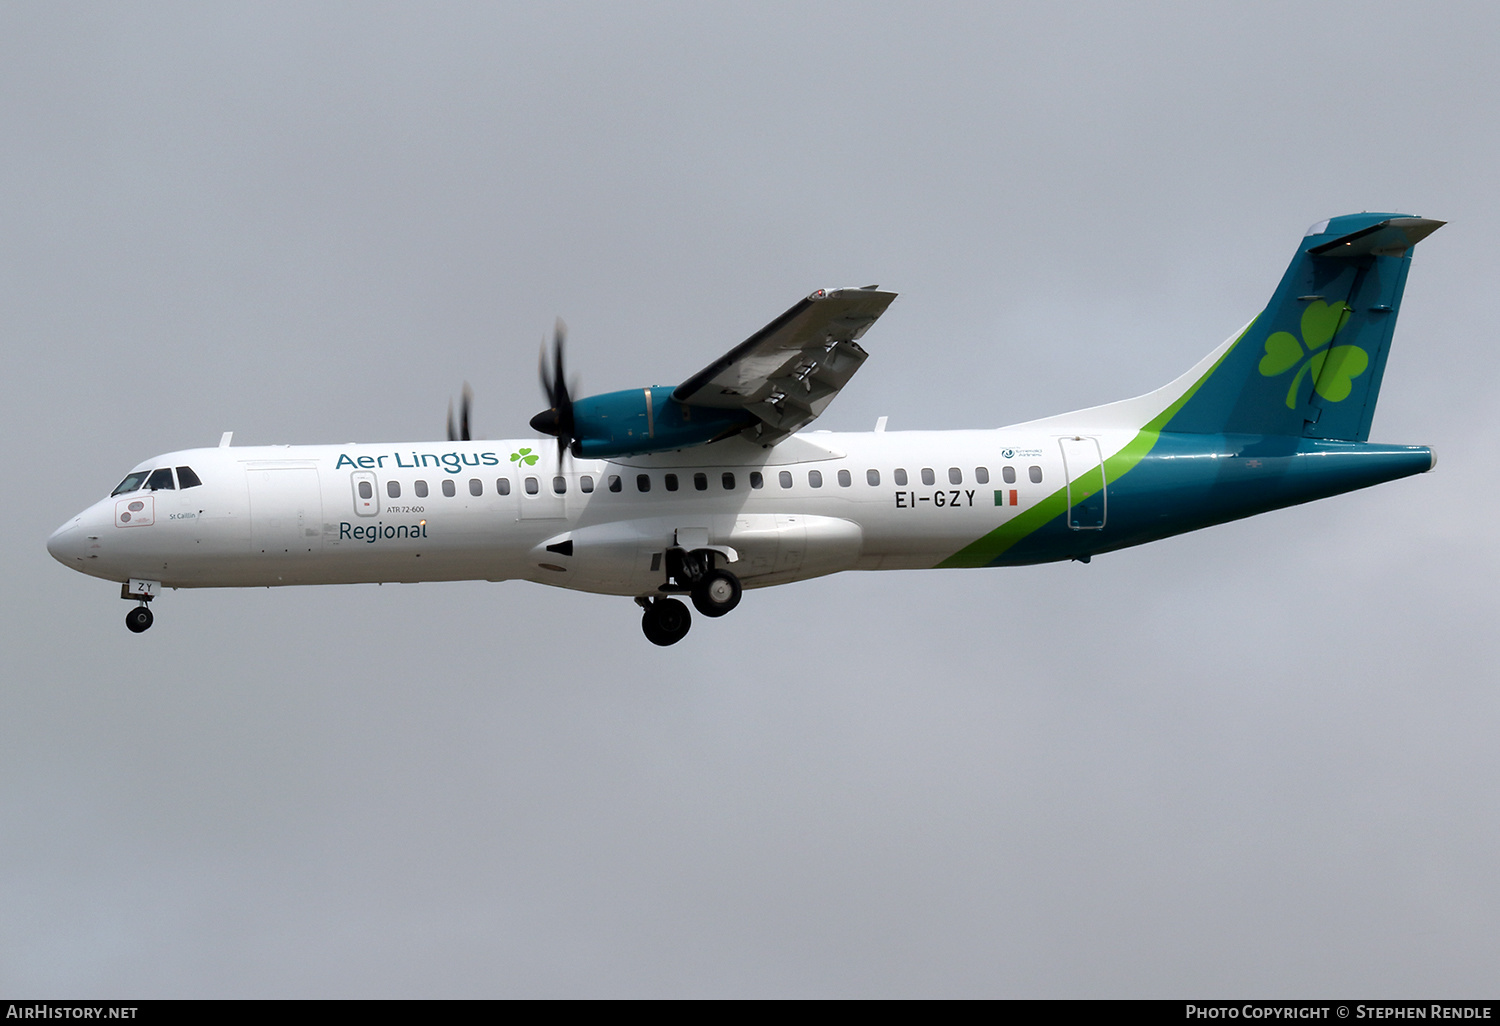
540	498
286	511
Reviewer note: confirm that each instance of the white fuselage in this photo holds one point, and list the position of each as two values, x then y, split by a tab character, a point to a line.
339	514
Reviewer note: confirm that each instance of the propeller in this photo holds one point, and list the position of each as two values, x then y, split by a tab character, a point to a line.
557	420
462	434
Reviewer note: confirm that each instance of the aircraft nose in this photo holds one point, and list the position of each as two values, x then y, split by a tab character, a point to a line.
66	543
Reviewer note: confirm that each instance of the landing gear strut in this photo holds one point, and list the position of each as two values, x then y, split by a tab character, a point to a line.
665	621
139	618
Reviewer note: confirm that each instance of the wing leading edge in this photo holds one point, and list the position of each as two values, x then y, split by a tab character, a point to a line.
787	373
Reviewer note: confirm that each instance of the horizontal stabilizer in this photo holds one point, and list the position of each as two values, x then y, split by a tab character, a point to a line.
1391	237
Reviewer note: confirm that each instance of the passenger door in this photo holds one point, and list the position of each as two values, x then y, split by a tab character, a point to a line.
1084	469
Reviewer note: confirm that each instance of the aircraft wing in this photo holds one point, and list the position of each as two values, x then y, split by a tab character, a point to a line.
789	371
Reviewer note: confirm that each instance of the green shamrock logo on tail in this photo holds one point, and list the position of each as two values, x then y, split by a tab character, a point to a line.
525	456
1333	369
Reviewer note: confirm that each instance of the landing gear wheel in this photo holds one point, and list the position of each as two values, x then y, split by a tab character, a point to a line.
666	622
138	619
716	593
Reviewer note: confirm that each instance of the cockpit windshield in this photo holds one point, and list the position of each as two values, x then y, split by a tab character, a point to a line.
132	482
157	480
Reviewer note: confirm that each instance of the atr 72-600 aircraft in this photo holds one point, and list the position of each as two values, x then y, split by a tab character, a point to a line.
705	488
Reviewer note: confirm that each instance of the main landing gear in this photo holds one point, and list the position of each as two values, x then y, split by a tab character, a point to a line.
666	620
714	592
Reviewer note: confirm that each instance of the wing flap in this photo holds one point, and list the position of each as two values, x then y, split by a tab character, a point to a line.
787	373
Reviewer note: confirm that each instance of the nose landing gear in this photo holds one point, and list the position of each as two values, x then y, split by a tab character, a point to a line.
139	618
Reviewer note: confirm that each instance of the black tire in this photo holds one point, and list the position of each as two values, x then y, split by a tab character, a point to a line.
717	593
138	619
666	622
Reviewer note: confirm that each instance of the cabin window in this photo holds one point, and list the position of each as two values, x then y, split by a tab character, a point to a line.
872	478
586	484
728	481
614	483
365	491
449	488
700	482
421	489
1035	474
186	478
133	481
476	486
670	480
901	477
785	477
161	480
502	485
643	482
1009	474
955	476
844	479
756	481
928	477
532	487
559	484
815	478
982	475
393	489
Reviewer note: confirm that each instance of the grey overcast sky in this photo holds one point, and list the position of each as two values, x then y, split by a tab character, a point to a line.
1258	760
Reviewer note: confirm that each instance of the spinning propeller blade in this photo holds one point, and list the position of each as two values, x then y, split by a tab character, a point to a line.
557	420
462	433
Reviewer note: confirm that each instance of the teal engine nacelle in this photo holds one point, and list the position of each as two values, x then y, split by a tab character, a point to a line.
638	420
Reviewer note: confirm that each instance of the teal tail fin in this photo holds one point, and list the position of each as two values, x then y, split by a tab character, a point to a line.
1310	365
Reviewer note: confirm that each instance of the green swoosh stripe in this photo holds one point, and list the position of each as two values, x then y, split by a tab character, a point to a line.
990	547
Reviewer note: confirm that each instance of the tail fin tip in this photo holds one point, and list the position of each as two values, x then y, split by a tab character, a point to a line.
1392	235
1311	364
